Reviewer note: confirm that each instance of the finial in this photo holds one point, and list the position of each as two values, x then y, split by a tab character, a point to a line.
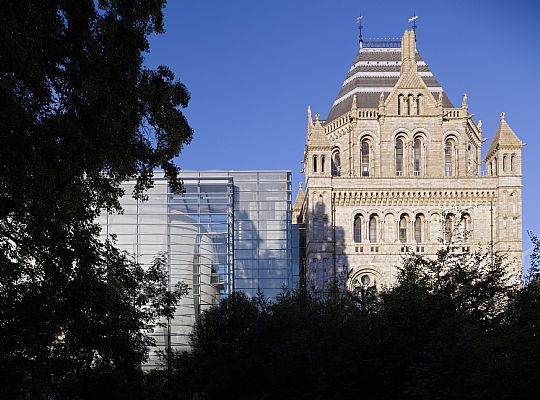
353	106
359	22
464	102
502	116
381	100
300	186
413	20
479	124
309	111
317	116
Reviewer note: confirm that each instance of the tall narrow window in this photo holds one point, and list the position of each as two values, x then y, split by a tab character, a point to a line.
417	157
418	104
358	229
418	228
399	157
512	162
505	161
336	163
314	163
465	227
373	229
409	104
323	159
495	166
448	228
448	150
403	229
365	158
400	104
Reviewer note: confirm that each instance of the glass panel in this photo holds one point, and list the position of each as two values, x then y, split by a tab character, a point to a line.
399	157
417	156
365	158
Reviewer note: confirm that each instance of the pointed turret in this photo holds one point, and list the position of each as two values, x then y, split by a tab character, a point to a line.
504	154
297	207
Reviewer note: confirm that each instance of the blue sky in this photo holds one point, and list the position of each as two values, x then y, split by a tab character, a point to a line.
253	67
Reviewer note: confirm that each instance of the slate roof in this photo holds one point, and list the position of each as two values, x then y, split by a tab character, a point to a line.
373	69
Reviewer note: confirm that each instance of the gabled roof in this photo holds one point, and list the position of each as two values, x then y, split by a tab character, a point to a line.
375	70
505	137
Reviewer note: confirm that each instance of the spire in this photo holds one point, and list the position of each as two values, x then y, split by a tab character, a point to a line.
359	22
408	52
413	20
297	207
505	136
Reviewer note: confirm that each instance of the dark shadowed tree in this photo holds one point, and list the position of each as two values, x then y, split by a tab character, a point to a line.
80	114
436	334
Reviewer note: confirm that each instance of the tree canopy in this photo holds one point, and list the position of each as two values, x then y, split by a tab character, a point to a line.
80	114
451	328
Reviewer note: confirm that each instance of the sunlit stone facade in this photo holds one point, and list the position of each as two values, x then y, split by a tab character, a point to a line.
396	168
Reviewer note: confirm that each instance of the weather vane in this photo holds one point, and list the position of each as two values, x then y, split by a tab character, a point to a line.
413	20
359	22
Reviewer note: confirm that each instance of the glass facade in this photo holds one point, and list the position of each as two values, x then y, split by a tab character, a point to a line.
229	230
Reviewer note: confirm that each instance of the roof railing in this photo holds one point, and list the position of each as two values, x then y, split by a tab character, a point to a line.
385	43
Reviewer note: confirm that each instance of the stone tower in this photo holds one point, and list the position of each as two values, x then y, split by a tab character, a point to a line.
396	168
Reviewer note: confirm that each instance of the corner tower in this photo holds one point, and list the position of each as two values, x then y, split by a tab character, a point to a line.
396	168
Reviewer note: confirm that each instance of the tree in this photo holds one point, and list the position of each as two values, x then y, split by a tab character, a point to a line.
435	334
80	115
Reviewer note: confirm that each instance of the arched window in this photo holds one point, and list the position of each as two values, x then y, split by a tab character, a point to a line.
399	157
373	229
336	163
448	228
365	158
512	162
358	228
400	104
417	157
418	104
490	168
465	227
409	104
314	163
504	163
418	221
448	150
403	229
495	166
323	159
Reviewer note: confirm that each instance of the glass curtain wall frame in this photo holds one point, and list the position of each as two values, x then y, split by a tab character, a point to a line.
263	250
194	231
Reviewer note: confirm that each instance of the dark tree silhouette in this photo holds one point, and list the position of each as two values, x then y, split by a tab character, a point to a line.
80	114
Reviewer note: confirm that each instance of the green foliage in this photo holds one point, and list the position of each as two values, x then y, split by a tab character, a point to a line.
451	328
80	114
